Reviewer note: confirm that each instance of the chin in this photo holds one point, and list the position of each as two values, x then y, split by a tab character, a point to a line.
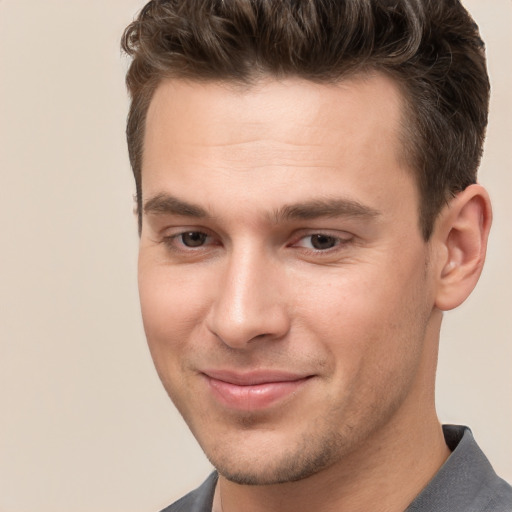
269	467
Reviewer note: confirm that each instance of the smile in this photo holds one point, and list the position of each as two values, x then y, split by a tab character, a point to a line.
253	391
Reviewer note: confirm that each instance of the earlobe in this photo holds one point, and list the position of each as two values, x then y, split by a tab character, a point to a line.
461	233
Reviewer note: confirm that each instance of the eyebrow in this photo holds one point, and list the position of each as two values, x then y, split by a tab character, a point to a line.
170	205
307	210
330	207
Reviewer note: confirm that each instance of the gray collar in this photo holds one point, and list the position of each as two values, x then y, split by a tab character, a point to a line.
466	482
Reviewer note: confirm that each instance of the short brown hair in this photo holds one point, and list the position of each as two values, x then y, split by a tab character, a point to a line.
431	48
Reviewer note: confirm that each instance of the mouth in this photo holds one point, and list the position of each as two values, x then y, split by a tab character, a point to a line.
253	391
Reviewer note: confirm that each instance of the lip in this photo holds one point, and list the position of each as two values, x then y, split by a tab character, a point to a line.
253	391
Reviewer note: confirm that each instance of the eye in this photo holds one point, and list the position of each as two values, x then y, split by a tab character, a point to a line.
192	238
321	242
189	243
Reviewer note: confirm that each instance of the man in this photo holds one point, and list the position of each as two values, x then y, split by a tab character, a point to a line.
308	208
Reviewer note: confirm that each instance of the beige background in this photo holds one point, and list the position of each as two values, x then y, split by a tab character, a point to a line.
84	424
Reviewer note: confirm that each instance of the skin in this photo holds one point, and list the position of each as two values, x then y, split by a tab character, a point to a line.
280	234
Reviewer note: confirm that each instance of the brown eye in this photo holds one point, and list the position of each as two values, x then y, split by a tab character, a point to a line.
323	242
193	238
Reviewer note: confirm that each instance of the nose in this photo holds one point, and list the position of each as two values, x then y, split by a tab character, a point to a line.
250	303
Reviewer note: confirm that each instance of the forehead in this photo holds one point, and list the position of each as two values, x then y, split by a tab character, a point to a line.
288	134
291	110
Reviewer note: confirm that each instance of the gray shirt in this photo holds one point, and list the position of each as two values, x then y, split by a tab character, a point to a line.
465	483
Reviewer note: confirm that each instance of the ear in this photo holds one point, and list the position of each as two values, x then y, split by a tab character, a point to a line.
460	235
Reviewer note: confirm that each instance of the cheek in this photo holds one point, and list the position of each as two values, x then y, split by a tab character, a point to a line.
173	306
374	338
390	325
370	318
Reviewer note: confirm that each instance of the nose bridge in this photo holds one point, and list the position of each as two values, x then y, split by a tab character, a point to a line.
248	303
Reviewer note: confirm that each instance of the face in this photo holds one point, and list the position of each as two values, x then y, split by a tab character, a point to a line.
284	283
